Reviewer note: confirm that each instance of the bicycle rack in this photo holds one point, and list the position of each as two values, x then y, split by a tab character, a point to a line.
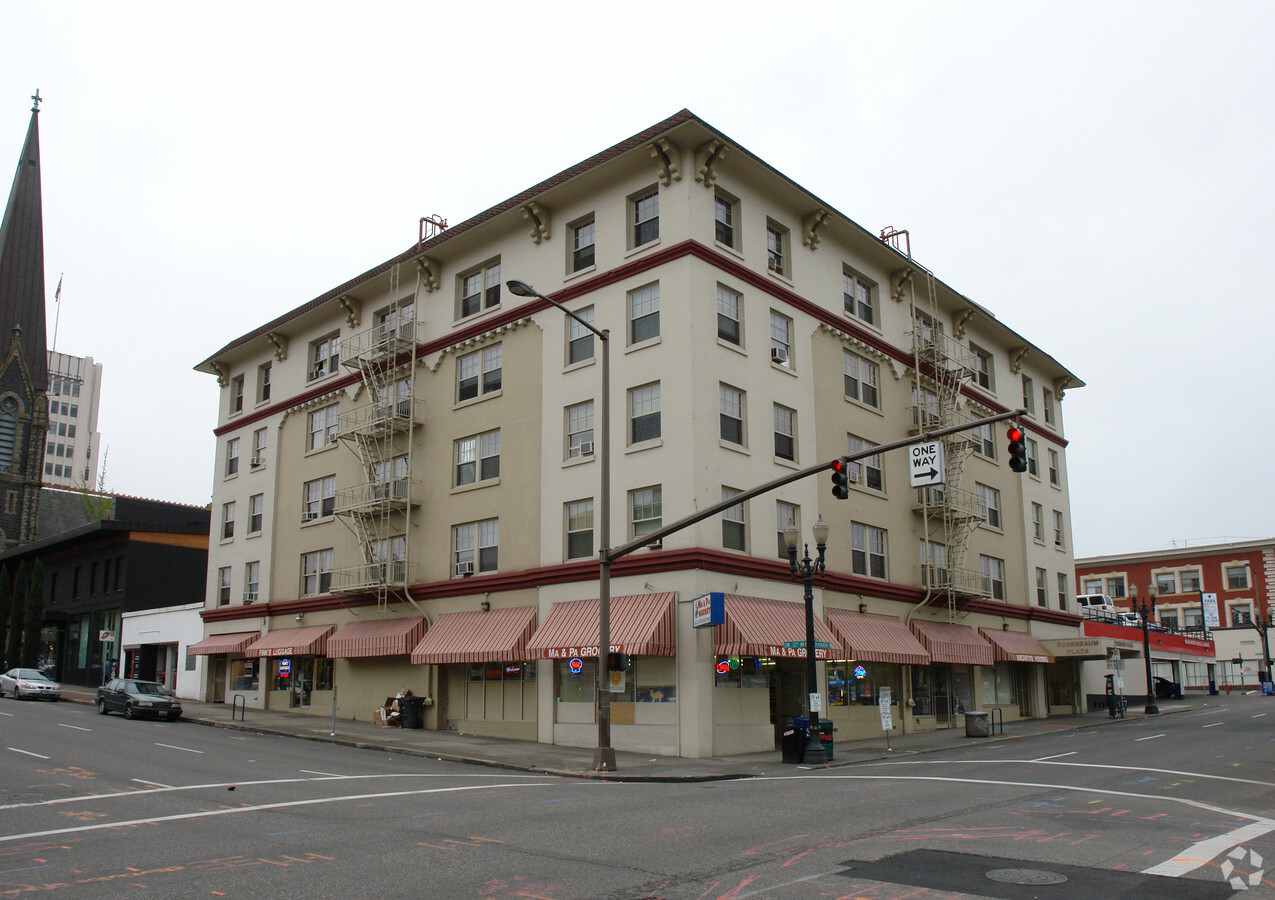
239	708
997	712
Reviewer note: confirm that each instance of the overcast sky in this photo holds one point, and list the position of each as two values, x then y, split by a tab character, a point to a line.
1098	175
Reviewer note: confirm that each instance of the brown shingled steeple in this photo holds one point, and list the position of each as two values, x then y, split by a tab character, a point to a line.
22	258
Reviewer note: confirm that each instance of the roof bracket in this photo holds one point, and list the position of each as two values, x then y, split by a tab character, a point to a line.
353	309
280	344
667	153
538	216
810	225
431	273
708	155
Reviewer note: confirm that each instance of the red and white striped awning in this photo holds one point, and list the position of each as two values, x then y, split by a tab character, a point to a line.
1016	646
500	635
756	626
950	643
877	638
223	643
641	625
309	641
378	637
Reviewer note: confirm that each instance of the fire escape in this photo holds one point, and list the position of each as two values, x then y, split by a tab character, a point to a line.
950	513
380	433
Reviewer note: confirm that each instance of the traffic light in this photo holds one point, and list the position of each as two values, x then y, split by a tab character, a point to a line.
840	479
617	662
1017	449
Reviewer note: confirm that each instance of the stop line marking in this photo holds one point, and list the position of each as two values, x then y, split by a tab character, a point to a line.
29	753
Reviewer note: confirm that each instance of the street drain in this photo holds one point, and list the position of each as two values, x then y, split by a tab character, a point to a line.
1026	876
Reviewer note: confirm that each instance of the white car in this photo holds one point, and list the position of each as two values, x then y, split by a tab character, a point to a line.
25	683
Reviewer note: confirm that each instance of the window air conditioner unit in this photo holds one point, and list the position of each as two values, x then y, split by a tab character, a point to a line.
772	264
309	516
464	568
585	448
257	462
778	355
316	373
249	597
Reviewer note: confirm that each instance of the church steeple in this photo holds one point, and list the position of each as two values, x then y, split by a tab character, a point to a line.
22	258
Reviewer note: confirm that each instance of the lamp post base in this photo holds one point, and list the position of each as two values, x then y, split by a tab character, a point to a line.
604	759
1152	709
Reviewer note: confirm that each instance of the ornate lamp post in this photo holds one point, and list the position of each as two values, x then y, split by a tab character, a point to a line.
806	569
1146	612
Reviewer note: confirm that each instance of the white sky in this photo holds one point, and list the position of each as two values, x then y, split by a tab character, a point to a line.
1097	174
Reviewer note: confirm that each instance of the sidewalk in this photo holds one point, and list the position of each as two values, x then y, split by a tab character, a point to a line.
524	756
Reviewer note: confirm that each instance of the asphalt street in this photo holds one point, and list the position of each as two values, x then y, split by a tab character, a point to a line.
1177	806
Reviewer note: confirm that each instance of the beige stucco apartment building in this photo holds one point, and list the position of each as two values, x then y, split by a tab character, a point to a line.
408	472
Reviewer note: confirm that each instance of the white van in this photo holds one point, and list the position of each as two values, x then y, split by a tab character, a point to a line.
1096	606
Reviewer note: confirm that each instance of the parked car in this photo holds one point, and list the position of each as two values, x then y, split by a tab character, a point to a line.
134	697
24	683
1129	619
1164	688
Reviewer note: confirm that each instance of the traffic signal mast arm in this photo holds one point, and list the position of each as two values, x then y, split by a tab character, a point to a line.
659	534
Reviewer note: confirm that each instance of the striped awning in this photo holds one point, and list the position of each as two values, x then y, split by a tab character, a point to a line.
641	625
309	641
1016	646
877	638
223	643
756	626
379	637
500	635
949	643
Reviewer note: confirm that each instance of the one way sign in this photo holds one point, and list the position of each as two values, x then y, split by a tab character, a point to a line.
925	462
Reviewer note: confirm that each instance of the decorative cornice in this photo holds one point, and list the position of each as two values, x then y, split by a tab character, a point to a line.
280	344
477	339
538	217
707	156
668	155
353	309
810	224
865	348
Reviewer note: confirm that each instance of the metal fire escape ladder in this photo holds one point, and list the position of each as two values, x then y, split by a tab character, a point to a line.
950	512
380	432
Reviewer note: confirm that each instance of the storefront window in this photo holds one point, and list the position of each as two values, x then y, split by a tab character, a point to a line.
323	674
501	671
743	671
997	684
859	683
922	691
962	689
1059	684
243	674
577	686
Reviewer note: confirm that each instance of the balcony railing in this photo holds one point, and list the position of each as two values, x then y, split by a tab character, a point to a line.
369	499
381	342
379	420
365	577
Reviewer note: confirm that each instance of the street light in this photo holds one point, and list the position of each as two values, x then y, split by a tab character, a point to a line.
604	755
1263	625
1146	612
806	569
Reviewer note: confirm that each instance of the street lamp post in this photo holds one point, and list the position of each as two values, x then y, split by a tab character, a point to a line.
1263	625
1146	612
604	754
806	569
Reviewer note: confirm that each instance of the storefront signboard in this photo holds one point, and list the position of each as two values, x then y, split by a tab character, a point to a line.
709	609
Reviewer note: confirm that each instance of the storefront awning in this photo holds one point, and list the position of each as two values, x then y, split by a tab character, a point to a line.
223	643
950	643
1016	646
876	638
756	626
309	641
641	625
500	635
380	637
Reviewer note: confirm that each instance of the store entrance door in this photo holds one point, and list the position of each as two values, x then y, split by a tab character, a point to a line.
787	694
942	695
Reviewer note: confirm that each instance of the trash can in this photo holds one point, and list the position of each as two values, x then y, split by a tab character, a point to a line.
410	712
1212	688
825	738
793	740
977	724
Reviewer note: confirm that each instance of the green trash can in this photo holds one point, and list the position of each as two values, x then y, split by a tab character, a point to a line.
825	737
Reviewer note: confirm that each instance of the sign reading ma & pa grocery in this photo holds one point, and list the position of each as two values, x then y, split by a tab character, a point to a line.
568	652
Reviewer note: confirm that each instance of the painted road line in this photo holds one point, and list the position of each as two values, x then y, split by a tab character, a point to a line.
324	774
1059	756
76	727
10	715
171	747
29	753
1071	765
1215	724
1205	852
1258	716
1151	738
235	810
153	783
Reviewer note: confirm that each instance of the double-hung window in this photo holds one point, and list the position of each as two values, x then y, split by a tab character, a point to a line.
777	259
858	294
1055	475
1038	523
263	382
479	289
579	338
1062	591
731	404
580	429
236	394
1042	587
934	571
232	456
1059	541
645	210
644	413
227	521
780	339
734	527
582	245
785	433
477	546
1237	578
729	311
867	550
646	510
990	499
256	512
867	472
993	571
787	515
316	573
478	458
1033	457
644	313
1190	581
251	580
982	368
319	498
724	219
259	438
223	586
579	529
862	379
322	427
391	479
325	356
1029	396
479	372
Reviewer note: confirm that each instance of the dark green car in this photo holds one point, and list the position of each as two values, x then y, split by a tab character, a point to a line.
135	698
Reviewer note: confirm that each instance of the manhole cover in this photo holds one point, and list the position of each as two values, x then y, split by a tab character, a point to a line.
1025	876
